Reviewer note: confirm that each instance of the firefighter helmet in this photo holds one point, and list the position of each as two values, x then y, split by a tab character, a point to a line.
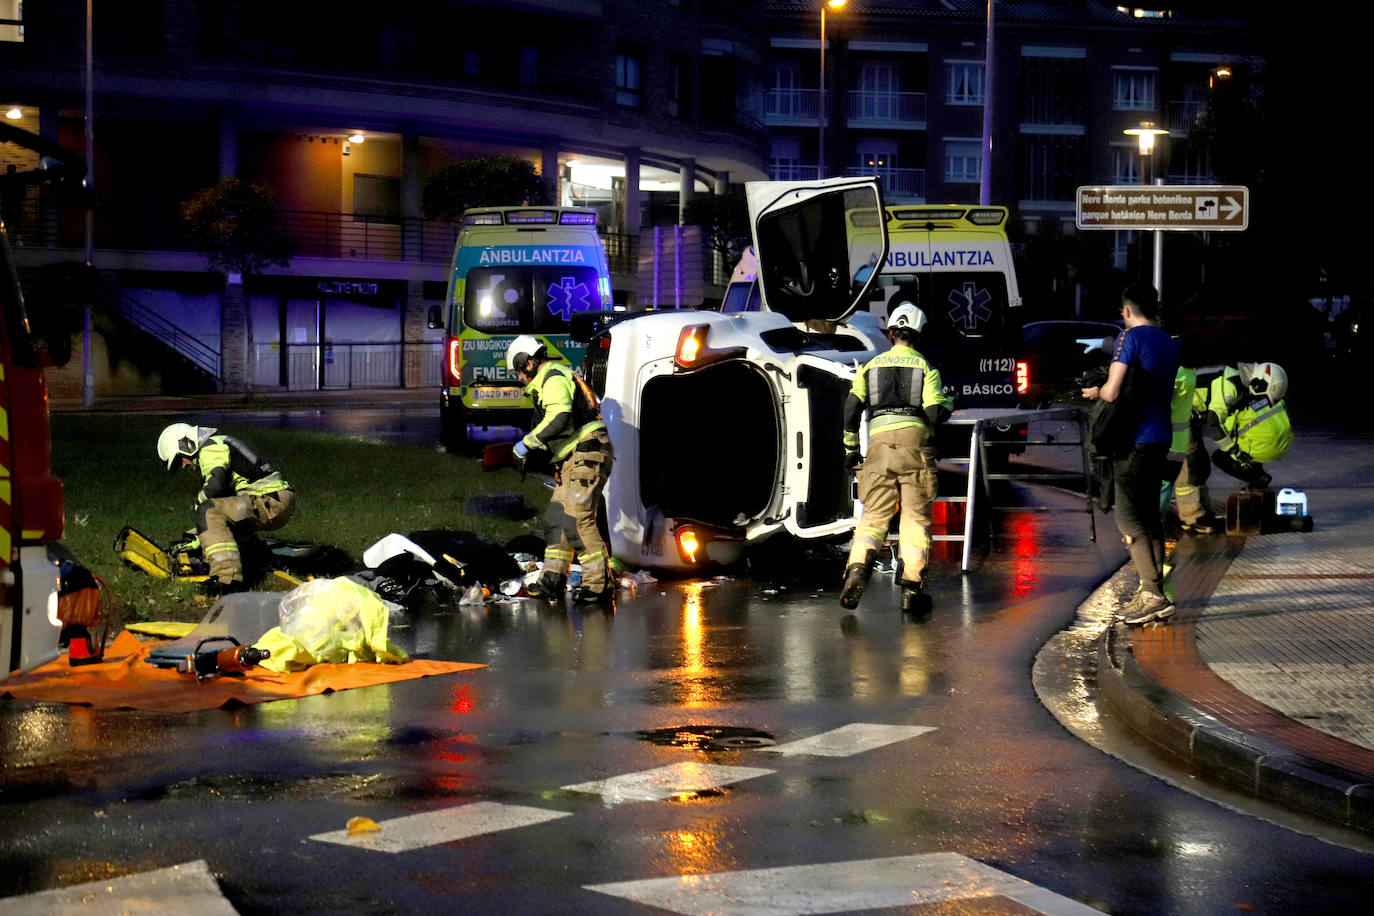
523	349
906	316
181	439
1266	379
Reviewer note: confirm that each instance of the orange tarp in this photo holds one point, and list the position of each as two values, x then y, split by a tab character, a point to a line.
124	680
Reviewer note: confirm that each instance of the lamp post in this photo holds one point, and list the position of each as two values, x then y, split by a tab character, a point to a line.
820	152
1145	136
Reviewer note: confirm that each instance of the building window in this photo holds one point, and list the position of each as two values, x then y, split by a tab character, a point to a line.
1052	164
12	10
964	82
376	198
679	73
628	64
1134	90
877	93
1125	165
528	72
1054	89
963	161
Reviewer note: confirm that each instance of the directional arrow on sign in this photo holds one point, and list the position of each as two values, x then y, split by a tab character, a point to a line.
1230	208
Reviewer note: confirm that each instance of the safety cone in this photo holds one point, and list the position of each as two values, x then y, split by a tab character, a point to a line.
81	647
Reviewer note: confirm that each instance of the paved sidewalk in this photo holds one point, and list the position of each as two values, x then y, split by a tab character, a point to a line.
1265	678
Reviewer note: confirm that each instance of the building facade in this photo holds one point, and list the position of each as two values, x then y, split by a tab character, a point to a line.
620	105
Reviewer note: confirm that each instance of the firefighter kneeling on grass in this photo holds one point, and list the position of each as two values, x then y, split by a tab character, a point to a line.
567	425
902	393
239	488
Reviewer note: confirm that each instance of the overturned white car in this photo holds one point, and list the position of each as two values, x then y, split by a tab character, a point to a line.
726	427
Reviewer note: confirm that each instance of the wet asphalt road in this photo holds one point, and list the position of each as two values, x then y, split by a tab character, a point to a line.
89	794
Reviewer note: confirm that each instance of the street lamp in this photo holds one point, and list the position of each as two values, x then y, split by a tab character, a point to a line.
1145	135
820	155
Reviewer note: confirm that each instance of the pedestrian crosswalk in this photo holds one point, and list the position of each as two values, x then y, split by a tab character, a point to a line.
416	831
818	888
843	887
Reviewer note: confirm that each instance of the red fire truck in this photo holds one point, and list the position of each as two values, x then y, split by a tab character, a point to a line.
31	509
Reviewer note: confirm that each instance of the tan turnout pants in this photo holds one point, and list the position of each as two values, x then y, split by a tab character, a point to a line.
571	517
898	471
219	516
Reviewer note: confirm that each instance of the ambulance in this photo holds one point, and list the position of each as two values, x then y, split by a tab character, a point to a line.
515	270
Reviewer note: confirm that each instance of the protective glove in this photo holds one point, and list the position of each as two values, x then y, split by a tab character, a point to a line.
521	450
852	459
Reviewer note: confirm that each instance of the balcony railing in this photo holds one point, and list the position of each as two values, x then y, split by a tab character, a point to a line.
898	184
792	106
897	109
784	171
1183	115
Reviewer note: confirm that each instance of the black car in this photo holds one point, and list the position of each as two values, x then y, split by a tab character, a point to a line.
1055	354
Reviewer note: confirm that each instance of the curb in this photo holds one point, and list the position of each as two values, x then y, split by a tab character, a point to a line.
1248	763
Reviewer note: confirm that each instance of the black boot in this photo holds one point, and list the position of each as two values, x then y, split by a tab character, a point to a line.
855	578
549	586
914	601
586	595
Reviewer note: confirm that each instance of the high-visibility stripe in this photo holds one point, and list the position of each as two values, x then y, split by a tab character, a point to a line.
1260	418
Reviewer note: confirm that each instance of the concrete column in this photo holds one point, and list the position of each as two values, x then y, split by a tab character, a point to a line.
413	324
548	169
235	337
687	182
228	143
722	182
632	192
412	228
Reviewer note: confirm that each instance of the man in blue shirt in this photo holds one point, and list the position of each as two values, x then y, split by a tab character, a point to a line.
1143	370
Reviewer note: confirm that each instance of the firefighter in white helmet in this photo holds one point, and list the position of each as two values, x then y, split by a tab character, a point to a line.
1244	411
567	426
240	489
903	397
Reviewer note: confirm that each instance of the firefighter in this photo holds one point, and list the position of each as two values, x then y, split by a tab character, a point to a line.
567	425
1243	410
240	489
902	394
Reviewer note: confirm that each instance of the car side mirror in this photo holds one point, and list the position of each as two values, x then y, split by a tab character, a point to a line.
436	317
820	245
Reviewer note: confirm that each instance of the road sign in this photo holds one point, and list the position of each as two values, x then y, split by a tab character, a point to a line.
1161	206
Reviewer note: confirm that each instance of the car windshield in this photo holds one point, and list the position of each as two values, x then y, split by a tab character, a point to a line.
506	300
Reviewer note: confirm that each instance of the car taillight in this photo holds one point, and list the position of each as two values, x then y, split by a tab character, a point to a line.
693	351
690	545
1022	377
455	349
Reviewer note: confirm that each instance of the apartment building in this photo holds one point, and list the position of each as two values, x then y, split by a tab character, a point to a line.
622	105
906	83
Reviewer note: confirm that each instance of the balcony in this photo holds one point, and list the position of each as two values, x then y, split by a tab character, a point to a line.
906	110
1183	115
792	107
786	171
899	185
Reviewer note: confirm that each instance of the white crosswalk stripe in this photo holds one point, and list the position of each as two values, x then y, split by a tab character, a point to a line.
666	782
838	887
416	831
851	739
185	888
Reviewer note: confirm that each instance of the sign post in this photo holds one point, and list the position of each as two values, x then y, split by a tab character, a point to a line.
1160	207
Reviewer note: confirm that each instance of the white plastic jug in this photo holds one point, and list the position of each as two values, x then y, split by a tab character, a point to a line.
1290	502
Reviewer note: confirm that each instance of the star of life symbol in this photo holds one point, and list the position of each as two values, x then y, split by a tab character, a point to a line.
970	306
568	296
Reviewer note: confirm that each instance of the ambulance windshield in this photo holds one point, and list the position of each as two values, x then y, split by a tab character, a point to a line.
514	299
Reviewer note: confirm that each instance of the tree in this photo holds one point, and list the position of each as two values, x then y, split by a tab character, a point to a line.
235	224
485	181
724	222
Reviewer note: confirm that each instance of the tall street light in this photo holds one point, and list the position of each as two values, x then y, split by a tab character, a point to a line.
820	155
1145	136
